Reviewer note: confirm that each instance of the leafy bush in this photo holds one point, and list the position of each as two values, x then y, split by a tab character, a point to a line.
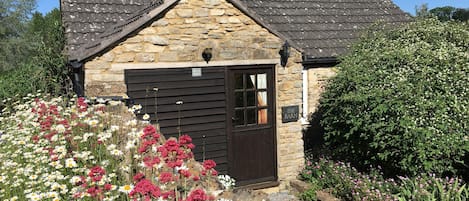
54	149
401	100
345	182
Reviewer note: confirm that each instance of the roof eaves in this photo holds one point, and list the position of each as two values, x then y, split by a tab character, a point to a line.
121	30
314	62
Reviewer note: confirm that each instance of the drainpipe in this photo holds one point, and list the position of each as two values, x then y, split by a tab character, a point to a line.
305	119
77	69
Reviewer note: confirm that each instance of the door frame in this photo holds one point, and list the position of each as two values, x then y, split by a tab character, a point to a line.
229	114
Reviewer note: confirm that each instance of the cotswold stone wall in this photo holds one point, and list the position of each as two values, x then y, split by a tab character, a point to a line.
181	35
317	79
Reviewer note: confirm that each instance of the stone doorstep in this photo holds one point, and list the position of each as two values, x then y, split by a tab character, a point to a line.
301	186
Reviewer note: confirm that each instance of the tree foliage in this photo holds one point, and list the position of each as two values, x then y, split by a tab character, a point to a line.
445	13
39	63
14	15
401	99
450	13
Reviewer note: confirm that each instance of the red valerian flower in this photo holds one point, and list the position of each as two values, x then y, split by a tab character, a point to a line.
145	145
165	177
96	173
168	195
214	172
139	176
163	151
35	139
185	173
107	187
174	163
151	161
146	189
82	106
94	191
171	145
186	141
197	195
149	129
209	164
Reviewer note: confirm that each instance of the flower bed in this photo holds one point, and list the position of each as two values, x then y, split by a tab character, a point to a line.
345	182
71	150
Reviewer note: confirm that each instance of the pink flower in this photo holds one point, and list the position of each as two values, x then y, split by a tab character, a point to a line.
96	173
209	164
139	176
151	161
146	189
185	173
165	177
171	145
197	195
168	194
186	141
107	187
93	191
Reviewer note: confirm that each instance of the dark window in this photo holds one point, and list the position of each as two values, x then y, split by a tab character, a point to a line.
250	99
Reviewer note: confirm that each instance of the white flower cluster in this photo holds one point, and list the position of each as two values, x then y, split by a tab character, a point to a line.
226	181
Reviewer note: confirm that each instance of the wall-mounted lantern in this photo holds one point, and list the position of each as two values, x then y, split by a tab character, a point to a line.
207	54
284	54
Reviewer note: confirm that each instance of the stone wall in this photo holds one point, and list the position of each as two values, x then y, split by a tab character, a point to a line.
317	78
182	34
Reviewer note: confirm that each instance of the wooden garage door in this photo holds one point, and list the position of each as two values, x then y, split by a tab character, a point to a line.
202	114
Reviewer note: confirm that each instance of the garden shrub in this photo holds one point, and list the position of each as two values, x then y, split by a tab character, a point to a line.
401	100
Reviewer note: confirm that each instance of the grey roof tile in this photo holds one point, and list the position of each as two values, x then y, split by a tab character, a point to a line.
324	28
84	20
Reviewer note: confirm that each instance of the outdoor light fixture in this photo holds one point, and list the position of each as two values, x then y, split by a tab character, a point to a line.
284	54
207	54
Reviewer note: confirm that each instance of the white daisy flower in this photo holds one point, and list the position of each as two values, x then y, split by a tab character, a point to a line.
70	163
126	188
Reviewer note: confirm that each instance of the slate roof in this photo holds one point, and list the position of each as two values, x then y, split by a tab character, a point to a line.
324	28
319	28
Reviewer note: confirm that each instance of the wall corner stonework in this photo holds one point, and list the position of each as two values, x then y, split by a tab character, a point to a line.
290	146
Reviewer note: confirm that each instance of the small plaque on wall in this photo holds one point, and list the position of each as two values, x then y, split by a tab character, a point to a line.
196	72
290	113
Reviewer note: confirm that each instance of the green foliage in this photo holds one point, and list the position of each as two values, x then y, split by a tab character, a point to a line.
345	182
445	13
14	48
43	67
450	13
309	195
401	100
461	14
425	187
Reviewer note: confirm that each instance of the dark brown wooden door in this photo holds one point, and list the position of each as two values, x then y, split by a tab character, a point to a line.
251	124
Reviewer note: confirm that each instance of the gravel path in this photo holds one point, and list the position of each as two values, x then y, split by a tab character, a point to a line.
282	196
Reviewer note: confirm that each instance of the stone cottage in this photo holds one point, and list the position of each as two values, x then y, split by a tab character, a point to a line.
239	76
